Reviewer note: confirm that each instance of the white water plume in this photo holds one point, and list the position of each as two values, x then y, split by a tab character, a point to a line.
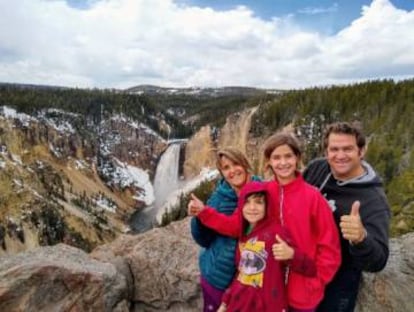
166	176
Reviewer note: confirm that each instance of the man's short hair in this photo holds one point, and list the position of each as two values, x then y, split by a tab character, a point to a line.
345	128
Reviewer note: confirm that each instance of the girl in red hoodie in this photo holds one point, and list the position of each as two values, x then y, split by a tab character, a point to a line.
304	212
307	216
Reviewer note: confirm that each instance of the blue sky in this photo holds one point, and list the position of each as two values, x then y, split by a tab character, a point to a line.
334	13
326	16
262	43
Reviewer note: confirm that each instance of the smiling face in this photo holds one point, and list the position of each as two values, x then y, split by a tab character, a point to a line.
283	163
344	156
254	208
235	174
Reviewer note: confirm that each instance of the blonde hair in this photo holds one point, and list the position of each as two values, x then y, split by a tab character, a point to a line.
235	156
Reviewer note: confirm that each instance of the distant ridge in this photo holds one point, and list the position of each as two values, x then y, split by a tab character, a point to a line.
220	91
33	86
153	89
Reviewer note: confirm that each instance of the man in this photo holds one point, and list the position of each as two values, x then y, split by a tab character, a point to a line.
357	199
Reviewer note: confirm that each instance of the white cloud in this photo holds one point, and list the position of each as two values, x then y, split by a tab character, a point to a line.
122	43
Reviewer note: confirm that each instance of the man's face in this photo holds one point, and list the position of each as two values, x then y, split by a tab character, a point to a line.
344	156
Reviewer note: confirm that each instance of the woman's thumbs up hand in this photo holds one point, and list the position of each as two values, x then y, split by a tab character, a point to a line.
195	206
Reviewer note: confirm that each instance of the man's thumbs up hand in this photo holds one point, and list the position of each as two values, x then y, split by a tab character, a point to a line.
281	250
355	208
351	226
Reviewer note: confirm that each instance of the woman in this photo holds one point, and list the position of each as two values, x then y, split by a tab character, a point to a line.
216	259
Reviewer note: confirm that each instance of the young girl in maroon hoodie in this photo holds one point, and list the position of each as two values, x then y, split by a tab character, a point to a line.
259	281
304	212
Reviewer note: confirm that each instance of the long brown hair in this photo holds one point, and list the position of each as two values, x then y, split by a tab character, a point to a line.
279	139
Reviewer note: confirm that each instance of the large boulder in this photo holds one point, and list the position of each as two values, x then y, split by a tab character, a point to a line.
60	278
164	268
391	289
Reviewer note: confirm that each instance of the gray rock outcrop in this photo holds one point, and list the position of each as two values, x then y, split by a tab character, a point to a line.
164	268
60	278
391	290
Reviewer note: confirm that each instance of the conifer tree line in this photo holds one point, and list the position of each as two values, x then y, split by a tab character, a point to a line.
95	104
385	111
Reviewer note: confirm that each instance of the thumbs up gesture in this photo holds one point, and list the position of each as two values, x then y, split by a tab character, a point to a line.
281	250
351	226
195	205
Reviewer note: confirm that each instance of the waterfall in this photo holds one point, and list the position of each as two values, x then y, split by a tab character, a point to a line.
166	175
165	182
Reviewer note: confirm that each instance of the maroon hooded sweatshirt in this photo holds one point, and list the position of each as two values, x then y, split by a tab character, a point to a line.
259	284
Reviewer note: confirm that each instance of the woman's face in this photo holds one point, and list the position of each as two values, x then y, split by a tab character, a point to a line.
233	173
284	162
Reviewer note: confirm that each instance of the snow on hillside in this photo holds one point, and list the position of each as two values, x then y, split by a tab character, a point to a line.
136	125
9	112
119	173
125	175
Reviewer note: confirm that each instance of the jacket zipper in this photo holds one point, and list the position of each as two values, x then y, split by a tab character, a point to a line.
282	221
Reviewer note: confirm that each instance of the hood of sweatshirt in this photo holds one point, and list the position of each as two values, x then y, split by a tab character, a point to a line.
369	177
321	170
271	212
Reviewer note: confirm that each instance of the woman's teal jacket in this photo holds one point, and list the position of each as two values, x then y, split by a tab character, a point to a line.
216	259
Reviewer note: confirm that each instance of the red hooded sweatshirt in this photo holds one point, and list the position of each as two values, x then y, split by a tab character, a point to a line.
304	212
259	284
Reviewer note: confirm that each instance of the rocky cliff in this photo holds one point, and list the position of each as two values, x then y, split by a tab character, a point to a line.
199	152
157	271
200	149
64	178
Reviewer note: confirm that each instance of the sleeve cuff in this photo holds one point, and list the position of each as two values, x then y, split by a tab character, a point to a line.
361	243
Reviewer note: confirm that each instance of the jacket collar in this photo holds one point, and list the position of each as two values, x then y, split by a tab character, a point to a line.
291	186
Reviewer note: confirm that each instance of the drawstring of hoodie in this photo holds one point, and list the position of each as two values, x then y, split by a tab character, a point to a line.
325	181
282	221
